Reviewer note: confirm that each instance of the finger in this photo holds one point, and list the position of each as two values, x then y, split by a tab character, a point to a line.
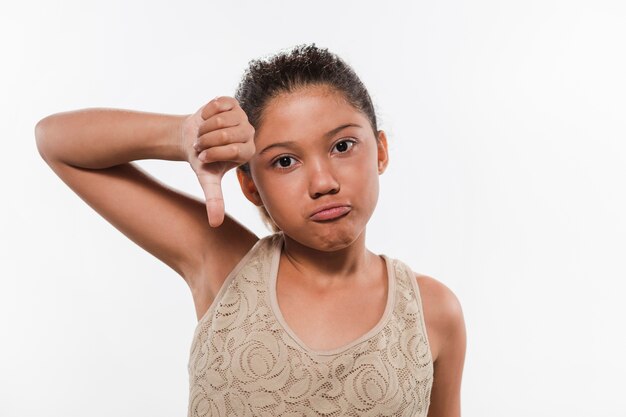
220	121
239	153
221	137
218	105
214	199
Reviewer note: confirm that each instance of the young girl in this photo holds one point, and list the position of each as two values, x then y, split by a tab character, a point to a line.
303	322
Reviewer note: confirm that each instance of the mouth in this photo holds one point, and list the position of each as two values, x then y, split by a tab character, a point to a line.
331	213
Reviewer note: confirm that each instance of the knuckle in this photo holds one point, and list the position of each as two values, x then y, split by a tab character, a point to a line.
219	122
235	152
224	135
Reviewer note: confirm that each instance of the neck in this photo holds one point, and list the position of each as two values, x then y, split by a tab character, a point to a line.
327	268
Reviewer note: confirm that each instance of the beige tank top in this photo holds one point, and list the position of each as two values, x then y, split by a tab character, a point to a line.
246	361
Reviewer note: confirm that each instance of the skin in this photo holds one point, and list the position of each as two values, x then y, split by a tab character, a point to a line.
325	271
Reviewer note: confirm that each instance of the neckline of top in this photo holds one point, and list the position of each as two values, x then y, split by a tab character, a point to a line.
274	256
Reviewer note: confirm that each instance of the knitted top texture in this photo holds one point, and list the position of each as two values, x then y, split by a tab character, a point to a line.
246	361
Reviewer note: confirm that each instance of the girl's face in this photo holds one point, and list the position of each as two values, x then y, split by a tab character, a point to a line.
313	149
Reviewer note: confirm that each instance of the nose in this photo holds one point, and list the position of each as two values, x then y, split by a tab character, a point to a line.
322	179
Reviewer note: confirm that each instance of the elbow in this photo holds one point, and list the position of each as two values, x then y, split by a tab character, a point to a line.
43	132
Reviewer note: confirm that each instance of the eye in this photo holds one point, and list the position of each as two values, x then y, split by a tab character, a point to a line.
280	160
346	147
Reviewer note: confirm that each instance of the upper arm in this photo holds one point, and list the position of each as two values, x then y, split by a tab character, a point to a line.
447	336
169	224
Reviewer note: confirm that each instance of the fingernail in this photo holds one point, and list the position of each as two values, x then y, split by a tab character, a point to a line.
202	155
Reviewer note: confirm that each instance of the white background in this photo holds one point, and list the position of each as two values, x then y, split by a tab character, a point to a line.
506	125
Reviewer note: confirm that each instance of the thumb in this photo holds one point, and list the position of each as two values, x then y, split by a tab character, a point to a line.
212	188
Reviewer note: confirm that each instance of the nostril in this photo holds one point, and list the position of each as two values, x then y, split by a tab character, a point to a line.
332	191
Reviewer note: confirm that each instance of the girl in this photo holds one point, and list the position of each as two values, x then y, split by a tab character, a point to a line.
305	321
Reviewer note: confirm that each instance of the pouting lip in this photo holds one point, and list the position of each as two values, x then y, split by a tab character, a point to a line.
328	206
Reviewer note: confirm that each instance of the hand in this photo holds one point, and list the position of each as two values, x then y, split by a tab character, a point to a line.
218	137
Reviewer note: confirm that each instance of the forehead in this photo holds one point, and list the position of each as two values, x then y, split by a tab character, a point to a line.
308	111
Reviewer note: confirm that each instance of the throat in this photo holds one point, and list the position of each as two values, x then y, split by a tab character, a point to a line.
333	313
327	274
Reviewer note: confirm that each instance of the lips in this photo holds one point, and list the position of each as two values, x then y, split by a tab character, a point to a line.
330	211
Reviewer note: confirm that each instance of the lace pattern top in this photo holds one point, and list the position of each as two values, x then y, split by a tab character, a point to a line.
246	361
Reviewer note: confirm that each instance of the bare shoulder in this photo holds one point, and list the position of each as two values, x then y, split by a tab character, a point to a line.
445	326
443	314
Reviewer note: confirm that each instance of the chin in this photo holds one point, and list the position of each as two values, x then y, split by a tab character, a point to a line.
336	245
327	239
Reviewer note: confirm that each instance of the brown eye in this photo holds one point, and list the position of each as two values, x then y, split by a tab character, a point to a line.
282	161
285	161
343	147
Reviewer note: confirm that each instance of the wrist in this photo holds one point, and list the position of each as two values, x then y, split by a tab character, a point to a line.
179	137
172	148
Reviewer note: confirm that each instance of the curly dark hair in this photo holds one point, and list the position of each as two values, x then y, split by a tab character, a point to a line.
291	70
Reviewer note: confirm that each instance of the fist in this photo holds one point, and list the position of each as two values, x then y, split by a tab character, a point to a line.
216	138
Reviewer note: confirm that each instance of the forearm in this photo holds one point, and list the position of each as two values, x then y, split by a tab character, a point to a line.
101	138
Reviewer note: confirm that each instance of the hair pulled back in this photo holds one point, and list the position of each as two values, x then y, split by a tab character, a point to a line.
293	69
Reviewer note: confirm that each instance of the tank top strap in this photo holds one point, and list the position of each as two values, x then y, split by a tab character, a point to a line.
410	307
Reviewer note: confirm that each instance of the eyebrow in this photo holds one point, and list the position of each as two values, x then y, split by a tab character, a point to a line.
291	143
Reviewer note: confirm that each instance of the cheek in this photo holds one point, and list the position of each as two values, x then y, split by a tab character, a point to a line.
363	167
365	178
369	180
280	192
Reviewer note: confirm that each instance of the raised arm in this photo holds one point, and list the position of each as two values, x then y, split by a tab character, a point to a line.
102	138
91	151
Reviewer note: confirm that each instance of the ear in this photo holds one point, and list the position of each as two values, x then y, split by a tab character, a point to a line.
249	188
383	154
